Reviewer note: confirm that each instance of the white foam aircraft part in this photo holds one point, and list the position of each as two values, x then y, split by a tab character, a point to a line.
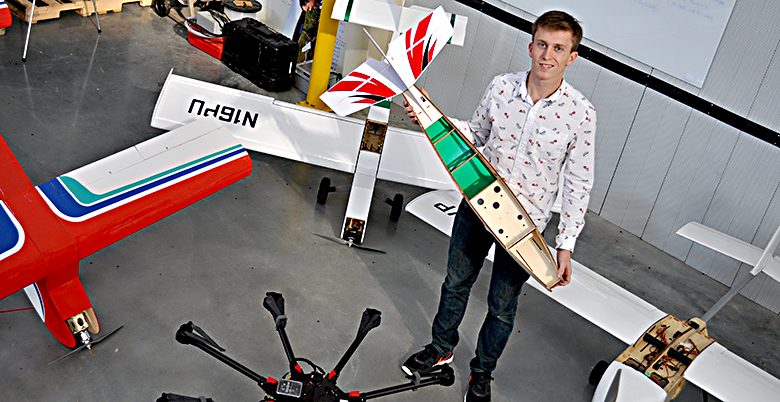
374	81
387	15
716	370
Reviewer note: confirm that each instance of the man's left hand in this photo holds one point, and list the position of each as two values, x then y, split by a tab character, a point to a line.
564	267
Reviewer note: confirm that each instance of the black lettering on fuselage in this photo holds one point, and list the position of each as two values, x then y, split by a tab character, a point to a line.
445	208
224	113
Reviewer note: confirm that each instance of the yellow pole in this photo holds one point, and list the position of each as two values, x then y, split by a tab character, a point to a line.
323	57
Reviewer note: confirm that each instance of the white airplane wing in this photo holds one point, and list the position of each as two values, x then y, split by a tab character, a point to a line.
716	370
590	295
731	246
731	378
387	15
266	125
374	81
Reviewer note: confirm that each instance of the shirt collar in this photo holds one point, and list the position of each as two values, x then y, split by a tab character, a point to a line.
521	90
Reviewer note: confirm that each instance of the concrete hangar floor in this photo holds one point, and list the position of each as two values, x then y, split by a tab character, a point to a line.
82	96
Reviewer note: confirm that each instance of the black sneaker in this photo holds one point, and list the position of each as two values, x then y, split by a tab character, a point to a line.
479	387
425	360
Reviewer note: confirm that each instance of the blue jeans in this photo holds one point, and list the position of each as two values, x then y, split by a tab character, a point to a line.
469	246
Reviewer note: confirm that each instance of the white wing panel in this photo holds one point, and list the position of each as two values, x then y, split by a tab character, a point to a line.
408	157
297	133
590	295
382	14
730	246
731	378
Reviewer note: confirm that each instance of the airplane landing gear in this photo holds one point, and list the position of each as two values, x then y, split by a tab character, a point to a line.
325	188
397	204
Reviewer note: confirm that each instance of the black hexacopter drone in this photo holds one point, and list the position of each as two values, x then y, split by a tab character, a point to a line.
314	386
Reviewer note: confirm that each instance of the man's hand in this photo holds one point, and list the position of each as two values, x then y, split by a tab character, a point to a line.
410	111
564	267
308	6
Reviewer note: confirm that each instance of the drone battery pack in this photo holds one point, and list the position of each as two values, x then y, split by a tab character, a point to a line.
262	55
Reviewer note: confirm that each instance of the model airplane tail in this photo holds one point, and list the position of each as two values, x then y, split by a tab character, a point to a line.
52	226
410	54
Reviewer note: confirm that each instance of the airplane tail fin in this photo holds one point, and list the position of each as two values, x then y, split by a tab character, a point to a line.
407	58
412	52
64	308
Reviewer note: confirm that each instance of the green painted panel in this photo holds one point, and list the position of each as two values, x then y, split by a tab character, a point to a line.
438	129
473	177
453	151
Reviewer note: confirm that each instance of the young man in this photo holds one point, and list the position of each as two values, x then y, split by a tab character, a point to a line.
536	129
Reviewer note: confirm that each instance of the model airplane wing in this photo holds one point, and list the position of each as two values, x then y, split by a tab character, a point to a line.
624	315
282	129
734	248
374	81
590	295
54	225
387	15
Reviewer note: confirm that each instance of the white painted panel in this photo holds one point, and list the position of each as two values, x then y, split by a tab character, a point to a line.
616	101
764	108
739	203
743	55
690	184
648	153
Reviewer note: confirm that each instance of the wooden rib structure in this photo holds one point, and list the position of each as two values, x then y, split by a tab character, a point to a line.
486	192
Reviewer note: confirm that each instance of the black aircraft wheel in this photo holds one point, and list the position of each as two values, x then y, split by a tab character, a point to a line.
322	192
397	207
598	372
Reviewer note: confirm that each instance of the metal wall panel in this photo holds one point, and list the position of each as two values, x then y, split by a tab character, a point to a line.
743	55
616	101
698	164
739	204
764	110
652	141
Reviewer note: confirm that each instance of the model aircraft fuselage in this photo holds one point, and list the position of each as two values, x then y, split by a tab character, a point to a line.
47	229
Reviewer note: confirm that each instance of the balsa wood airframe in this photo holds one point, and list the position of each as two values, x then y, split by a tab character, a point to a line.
487	193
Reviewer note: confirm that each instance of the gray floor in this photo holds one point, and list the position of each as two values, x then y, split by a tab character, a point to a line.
82	96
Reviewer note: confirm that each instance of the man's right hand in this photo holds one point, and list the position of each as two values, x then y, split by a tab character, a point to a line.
410	111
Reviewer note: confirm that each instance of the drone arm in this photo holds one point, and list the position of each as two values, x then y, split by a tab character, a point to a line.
445	377
371	319
274	303
186	335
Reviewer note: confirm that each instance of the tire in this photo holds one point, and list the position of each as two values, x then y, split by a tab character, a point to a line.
322	192
598	371
397	207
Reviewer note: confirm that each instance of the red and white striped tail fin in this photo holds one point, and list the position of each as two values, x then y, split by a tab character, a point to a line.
412	52
407	58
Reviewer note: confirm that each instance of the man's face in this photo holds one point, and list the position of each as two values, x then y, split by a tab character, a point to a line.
550	53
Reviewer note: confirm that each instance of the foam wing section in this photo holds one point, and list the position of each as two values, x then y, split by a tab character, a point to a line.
282	129
409	54
387	15
114	197
370	83
730	246
590	295
731	378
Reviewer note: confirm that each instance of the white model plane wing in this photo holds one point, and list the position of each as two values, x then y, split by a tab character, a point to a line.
732	247
266	125
385	14
716	370
731	378
590	295
374	81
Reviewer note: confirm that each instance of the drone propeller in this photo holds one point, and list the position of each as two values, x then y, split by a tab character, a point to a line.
87	345
349	243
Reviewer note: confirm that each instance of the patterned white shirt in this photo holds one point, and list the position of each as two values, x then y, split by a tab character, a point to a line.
530	145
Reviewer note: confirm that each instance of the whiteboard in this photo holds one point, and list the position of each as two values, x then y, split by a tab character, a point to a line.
678	37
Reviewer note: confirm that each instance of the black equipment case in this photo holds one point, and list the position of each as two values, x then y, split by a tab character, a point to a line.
262	55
